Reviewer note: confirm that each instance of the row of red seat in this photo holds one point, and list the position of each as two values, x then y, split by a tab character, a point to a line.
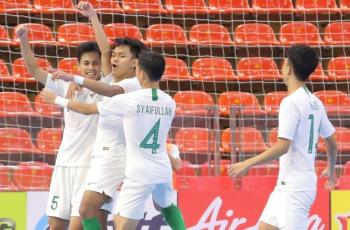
203	69
179	6
248	34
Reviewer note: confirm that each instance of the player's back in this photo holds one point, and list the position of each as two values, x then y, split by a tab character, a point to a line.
302	119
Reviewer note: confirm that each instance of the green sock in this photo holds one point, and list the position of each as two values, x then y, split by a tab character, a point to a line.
91	224
173	217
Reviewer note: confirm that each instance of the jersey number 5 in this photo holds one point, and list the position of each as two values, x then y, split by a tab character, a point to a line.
152	133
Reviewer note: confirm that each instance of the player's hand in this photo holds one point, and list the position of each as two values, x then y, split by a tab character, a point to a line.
48	96
86	9
331	179
21	32
59	74
72	89
238	169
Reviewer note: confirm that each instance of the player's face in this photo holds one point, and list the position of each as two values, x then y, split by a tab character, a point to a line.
123	62
90	65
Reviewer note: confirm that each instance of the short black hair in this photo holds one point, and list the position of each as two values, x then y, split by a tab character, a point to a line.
135	45
153	64
87	47
304	61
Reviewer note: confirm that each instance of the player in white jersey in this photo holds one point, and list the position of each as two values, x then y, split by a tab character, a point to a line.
72	160
148	168
302	119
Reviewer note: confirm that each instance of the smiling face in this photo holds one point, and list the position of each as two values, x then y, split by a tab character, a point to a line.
123	62
90	65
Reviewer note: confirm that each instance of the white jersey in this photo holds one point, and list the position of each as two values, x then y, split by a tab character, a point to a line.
302	119
79	131
110	131
147	116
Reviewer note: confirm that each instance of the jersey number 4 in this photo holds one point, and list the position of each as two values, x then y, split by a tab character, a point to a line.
153	135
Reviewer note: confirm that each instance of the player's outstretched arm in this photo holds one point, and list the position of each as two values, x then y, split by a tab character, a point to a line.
86	9
332	158
79	107
28	55
98	87
277	150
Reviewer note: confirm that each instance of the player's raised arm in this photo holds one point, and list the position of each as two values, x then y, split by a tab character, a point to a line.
28	55
86	9
79	107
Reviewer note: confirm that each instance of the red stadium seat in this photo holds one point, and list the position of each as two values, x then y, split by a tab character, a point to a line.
254	34
300	33
19	70
33	176
342	136
4	37
176	69
192	103
346	169
194	140
247	140
6	183
186	7
38	34
4	73
143	7
229	7
339	69
336	102
345	6
15	104
320	165
213	69
16	7
49	140
165	35
205	170
187	169
273	136
257	69
337	33
273	100
106	6
45	109
210	34
122	30
248	102
273	6
14	140
69	65
316	7
54	6
75	33
318	74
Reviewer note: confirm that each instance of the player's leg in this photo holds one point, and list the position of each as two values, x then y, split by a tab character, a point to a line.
266	226
57	223
75	223
271	216
162	196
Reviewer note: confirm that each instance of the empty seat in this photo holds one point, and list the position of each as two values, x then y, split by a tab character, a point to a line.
16	7
38	34
273	100
33	176
345	6
106	6
4	73
342	136
210	34
194	140
254	34
165	35
339	69
54	6
4	37
246	102
45	109
122	30
346	169
143	7
176	69
337	33
316	7
69	65
6	183
192	103
186	7
49	140
20	73
213	69
257	69
14	140
273	136
273	6
300	33
75	33
247	140
15	104
318	74
229	6
336	102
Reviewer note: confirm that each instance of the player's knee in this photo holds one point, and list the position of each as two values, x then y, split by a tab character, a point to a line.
55	224
86	211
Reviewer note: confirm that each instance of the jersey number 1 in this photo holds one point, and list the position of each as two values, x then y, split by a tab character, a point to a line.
153	132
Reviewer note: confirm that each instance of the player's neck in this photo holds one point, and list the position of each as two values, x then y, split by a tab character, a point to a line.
294	85
148	85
